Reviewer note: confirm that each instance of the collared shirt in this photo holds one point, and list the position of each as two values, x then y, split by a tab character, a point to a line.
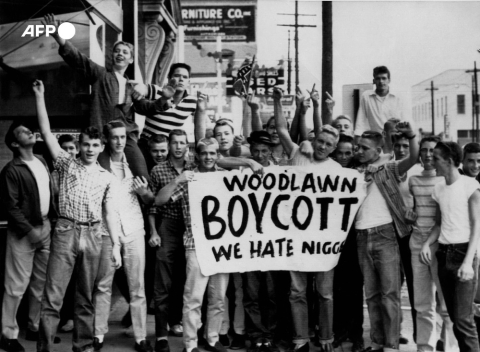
374	111
161	175
180	194
82	191
127	205
387	180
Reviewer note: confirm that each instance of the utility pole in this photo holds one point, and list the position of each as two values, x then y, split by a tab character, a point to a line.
431	89
475	92
327	59
296	26
289	67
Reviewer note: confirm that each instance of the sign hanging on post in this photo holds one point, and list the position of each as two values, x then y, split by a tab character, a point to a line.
289	219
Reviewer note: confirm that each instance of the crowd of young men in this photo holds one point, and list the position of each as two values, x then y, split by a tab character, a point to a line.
126	191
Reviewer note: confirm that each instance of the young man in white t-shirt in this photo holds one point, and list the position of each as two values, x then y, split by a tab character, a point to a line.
457	229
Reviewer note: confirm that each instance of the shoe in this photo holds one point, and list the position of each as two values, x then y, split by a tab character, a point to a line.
357	346
339	339
162	346
269	346
256	347
218	347
369	349
143	346
440	347
326	347
11	345
97	345
68	326
195	349
403	340
224	340
176	330
31	335
238	342
57	340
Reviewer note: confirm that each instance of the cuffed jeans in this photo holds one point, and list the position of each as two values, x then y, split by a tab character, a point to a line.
133	256
169	276
239	312
379	257
459	295
25	267
73	246
298	303
260	303
426	283
195	287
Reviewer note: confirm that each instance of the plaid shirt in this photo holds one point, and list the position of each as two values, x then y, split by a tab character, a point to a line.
387	180
161	175
181	194
82	191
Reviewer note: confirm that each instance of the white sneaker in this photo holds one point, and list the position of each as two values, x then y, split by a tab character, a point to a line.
68	326
177	330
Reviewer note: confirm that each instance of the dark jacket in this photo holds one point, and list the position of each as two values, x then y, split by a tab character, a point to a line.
104	105
19	195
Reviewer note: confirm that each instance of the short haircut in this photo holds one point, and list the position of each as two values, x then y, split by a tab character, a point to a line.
397	136
129	45
112	125
67	138
451	150
434	139
10	135
344	138
179	65
374	136
330	130
341	117
381	70
204	142
177	132
91	132
223	122
471	148
156	139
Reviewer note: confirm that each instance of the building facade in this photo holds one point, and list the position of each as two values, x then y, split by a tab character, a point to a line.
452	105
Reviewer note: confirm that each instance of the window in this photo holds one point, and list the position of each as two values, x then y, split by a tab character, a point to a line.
463	133
461	104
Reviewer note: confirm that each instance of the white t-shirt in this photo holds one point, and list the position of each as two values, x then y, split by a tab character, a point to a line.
453	202
117	169
374	210
122	83
43	183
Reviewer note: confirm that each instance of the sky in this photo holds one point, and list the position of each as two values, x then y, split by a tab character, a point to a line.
415	40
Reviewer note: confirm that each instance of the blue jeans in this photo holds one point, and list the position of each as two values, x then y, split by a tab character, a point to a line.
458	295
298	302
73	246
379	257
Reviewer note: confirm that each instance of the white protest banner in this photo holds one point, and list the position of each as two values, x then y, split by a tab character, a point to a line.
289	219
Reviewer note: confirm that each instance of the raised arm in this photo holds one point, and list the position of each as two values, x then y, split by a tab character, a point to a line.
200	116
235	163
281	122
406	164
73	57
254	103
294	128
361	123
50	140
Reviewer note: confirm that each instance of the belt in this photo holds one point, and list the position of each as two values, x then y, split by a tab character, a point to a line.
453	245
378	228
84	223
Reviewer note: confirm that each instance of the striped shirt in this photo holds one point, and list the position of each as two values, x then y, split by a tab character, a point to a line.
421	187
160	121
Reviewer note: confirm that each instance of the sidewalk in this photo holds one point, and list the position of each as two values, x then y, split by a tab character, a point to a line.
116	341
